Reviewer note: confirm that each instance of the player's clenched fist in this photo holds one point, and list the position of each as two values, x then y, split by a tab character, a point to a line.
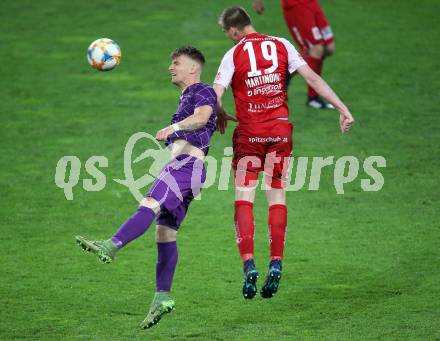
346	121
222	121
162	134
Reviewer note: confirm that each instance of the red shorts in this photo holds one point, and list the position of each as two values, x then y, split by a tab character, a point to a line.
308	25
262	147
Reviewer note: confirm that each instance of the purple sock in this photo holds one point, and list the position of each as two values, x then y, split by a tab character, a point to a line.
134	226
165	266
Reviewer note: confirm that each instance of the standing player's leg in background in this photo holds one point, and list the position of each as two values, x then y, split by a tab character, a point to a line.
328	43
311	31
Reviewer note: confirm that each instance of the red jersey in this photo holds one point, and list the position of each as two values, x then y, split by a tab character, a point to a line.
256	68
285	4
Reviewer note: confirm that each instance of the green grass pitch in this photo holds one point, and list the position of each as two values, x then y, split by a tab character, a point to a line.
358	266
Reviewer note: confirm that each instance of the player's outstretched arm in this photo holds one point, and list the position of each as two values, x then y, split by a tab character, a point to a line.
222	116
346	120
197	120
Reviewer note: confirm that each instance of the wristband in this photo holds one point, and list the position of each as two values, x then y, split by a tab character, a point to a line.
175	127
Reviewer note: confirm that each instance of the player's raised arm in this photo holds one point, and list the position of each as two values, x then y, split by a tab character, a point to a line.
346	120
195	121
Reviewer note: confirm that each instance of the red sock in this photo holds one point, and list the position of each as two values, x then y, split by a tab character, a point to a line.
316	65
277	230
245	228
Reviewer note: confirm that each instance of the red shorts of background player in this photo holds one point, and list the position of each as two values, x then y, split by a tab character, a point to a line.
307	24
263	147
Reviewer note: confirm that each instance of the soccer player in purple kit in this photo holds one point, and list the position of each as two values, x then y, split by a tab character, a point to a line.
167	201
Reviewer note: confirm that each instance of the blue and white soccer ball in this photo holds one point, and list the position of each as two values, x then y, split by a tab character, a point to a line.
104	54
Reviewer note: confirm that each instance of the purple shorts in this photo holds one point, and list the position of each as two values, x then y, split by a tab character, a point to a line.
176	186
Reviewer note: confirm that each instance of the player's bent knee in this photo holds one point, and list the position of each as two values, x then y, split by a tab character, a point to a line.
165	234
150	203
317	51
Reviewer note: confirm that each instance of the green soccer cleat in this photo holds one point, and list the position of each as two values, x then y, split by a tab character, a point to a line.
156	312
271	284
250	284
105	249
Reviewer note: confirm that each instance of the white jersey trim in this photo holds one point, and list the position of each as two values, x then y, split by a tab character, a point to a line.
294	59
226	69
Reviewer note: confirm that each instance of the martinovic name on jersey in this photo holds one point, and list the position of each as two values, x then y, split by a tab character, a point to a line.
264	85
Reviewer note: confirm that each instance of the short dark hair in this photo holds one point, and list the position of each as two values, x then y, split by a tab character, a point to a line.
191	52
235	16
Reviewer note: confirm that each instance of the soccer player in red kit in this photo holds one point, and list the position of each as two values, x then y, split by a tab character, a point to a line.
256	69
311	31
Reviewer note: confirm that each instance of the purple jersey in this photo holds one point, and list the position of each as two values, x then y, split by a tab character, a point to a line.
194	96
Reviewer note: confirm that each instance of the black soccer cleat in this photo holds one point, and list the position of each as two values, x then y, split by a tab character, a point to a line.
250	284
271	284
